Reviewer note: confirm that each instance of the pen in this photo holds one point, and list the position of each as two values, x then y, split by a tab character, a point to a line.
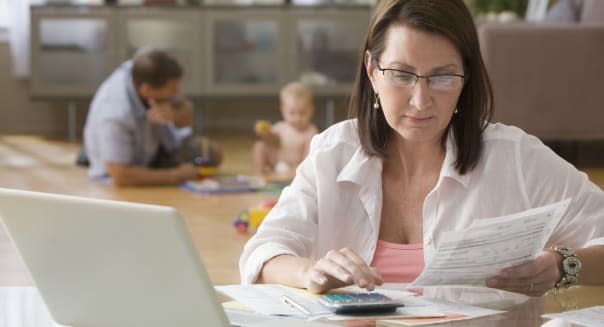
289	301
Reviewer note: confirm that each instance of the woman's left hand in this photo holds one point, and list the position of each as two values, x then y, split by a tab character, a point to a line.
532	278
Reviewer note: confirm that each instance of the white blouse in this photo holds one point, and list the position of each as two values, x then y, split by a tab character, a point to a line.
335	200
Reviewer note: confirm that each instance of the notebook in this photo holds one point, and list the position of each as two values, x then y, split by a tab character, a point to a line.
108	263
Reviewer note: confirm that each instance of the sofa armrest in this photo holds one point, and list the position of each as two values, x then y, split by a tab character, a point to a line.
548	79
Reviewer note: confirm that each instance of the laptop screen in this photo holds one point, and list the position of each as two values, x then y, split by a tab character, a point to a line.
109	263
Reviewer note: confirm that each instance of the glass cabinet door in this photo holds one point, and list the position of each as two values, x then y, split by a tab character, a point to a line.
327	44
224	51
174	30
245	52
72	50
243	2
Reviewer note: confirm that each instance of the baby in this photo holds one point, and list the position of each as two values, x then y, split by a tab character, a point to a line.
282	146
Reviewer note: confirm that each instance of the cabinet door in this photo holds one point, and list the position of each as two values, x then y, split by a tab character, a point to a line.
72	50
173	30
246	51
243	2
327	43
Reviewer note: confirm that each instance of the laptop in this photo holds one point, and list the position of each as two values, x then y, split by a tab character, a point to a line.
108	263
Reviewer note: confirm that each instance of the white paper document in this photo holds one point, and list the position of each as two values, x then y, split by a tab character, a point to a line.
593	316
467	310
267	299
470	256
451	312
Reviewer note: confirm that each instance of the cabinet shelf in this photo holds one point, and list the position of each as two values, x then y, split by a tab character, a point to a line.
225	51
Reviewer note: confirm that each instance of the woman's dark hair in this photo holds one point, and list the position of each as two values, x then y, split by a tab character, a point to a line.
155	68
452	20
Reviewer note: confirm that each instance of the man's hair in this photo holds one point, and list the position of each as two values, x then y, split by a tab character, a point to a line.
452	20
155	68
297	91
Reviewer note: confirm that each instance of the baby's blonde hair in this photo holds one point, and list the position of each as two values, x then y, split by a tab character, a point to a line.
297	91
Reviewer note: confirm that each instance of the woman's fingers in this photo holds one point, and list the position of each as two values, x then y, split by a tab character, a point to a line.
334	269
346	266
532	278
377	276
320	282
354	265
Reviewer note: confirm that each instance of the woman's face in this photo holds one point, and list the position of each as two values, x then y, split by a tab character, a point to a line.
422	112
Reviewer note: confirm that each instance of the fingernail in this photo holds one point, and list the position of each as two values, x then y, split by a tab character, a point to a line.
362	282
322	280
491	282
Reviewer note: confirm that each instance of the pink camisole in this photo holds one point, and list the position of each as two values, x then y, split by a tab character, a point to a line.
398	263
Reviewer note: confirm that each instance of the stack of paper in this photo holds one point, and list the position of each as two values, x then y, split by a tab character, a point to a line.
265	299
451	312
589	317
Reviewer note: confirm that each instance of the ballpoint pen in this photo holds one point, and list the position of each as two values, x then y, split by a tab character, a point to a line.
299	307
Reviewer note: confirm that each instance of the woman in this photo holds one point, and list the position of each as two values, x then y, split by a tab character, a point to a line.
375	194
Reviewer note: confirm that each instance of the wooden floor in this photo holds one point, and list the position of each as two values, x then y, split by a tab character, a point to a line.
40	164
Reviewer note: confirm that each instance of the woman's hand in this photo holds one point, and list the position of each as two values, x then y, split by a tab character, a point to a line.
340	268
532	278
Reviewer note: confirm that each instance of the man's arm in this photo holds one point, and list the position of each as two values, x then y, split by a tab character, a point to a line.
129	175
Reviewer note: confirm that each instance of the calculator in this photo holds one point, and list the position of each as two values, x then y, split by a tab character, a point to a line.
359	303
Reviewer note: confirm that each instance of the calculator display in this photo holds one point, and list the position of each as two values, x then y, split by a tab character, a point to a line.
359	303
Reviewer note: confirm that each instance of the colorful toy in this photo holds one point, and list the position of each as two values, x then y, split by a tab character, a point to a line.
205	167
251	218
262	126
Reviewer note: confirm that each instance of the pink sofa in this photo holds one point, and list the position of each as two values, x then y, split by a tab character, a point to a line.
548	78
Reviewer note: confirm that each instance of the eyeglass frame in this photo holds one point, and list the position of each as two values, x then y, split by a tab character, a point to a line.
417	77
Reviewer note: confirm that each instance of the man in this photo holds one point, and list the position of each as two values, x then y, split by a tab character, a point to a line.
138	129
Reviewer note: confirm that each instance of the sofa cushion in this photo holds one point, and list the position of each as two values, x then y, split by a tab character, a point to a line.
593	12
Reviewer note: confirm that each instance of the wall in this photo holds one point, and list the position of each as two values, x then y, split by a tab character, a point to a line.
20	115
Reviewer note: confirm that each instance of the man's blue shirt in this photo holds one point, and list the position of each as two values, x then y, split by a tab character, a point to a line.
117	129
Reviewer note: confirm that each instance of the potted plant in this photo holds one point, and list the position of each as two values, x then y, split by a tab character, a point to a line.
499	10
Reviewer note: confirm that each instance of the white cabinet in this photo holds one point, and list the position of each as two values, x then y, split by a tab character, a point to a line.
326	46
247	51
177	32
73	49
224	50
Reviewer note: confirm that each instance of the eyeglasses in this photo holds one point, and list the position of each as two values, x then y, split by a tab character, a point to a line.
438	82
